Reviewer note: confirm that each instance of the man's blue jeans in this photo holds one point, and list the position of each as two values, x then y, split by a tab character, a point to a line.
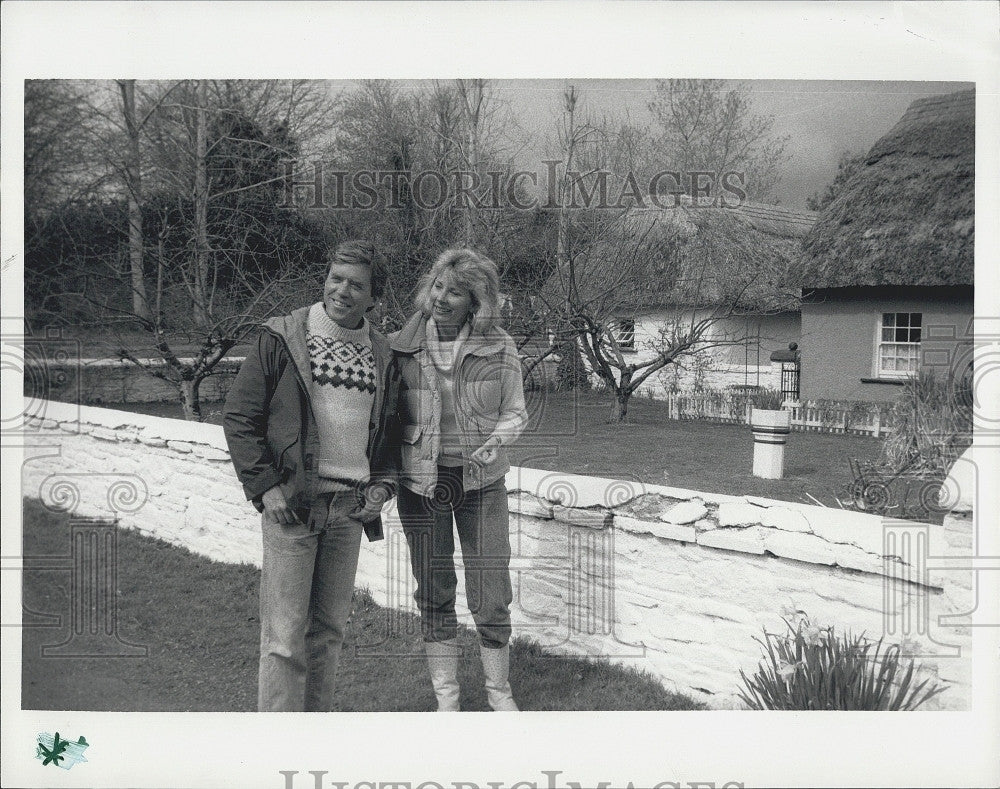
306	585
483	524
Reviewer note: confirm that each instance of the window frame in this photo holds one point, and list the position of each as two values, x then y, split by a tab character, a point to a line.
881	344
620	331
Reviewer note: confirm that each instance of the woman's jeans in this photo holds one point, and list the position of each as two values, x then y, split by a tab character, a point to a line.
483	530
306	585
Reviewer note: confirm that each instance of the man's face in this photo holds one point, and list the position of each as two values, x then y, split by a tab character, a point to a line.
347	293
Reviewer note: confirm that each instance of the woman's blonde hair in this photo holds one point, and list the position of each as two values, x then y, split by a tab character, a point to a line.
473	271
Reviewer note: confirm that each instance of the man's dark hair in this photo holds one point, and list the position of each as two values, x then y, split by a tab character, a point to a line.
361	253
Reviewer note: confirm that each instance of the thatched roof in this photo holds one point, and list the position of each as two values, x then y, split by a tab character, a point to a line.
907	217
695	255
783	223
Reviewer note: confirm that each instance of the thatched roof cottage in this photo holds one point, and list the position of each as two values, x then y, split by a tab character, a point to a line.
887	268
664	265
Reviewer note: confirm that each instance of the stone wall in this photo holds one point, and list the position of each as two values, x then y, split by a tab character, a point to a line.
674	582
115	381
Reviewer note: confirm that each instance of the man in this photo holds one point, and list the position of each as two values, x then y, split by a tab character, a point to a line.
308	422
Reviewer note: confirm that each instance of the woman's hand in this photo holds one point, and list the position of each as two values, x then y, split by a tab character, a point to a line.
487	453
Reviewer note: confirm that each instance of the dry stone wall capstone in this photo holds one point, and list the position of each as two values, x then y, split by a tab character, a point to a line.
671	581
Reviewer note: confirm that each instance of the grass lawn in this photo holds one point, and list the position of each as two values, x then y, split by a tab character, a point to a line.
573	434
570	433
199	622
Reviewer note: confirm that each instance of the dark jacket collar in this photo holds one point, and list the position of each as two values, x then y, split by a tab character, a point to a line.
292	329
413	337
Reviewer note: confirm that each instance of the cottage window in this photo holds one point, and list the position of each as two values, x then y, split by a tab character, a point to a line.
624	331
899	344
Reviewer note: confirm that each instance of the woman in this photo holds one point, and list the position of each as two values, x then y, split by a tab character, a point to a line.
461	403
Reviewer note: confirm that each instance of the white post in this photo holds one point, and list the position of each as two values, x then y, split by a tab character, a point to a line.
770	433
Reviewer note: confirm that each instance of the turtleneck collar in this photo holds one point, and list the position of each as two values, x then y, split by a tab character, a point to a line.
442	353
320	322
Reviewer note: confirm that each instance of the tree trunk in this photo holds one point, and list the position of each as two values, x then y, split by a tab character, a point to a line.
562	217
133	183
473	94
619	408
190	401
623	392
468	215
200	289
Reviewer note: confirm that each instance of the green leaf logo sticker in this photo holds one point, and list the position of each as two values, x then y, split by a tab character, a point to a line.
52	749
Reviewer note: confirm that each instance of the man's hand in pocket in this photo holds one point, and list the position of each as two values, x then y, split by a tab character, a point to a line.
276	507
375	497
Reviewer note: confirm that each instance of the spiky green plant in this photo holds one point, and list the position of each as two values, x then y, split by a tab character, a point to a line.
931	426
810	668
767	398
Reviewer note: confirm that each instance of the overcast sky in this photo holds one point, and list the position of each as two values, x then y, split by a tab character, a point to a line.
823	118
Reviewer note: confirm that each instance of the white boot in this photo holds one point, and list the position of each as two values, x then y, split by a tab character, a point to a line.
496	667
442	660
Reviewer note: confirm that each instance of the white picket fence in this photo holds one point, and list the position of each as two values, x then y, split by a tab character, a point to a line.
846	417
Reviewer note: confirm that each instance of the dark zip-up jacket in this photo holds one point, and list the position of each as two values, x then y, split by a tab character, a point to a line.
270	427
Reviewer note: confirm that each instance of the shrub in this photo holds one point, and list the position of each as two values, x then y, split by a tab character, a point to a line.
812	669
932	425
739	399
701	364
571	373
534	381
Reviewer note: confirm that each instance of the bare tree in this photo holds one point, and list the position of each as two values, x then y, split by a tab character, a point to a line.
222	247
209	253
199	198
706	264
118	135
586	153
133	188
706	126
473	96
63	159
461	133
709	263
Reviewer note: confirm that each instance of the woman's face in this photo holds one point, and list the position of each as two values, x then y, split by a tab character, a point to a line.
451	302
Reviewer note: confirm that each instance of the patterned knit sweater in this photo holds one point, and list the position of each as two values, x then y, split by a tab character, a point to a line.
343	393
